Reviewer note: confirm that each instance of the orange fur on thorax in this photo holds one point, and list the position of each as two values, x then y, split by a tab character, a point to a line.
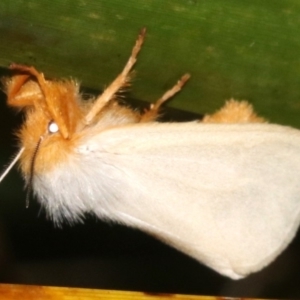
234	112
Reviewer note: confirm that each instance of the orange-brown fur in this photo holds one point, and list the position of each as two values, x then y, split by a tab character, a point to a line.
234	112
53	149
67	109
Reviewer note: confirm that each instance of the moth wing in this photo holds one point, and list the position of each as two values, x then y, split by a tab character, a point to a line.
227	195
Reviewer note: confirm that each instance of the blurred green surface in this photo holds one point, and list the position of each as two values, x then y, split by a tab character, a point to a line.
242	49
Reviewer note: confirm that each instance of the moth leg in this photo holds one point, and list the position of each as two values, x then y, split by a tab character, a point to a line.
118	83
152	113
19	91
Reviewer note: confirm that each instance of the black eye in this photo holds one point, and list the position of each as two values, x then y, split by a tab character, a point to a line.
53	127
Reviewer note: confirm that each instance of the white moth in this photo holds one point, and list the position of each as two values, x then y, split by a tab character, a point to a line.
225	190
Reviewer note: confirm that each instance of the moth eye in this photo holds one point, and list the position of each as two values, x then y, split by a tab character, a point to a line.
53	127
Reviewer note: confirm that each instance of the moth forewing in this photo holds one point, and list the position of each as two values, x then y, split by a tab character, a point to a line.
221	197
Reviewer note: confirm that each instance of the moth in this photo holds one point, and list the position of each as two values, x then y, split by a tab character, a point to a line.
224	190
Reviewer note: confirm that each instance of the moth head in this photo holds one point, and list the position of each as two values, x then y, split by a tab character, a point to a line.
28	89
52	112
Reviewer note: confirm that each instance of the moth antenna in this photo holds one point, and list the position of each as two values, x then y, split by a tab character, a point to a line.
29	189
152	113
6	171
120	81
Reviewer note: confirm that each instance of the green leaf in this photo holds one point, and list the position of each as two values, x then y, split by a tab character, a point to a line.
243	49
